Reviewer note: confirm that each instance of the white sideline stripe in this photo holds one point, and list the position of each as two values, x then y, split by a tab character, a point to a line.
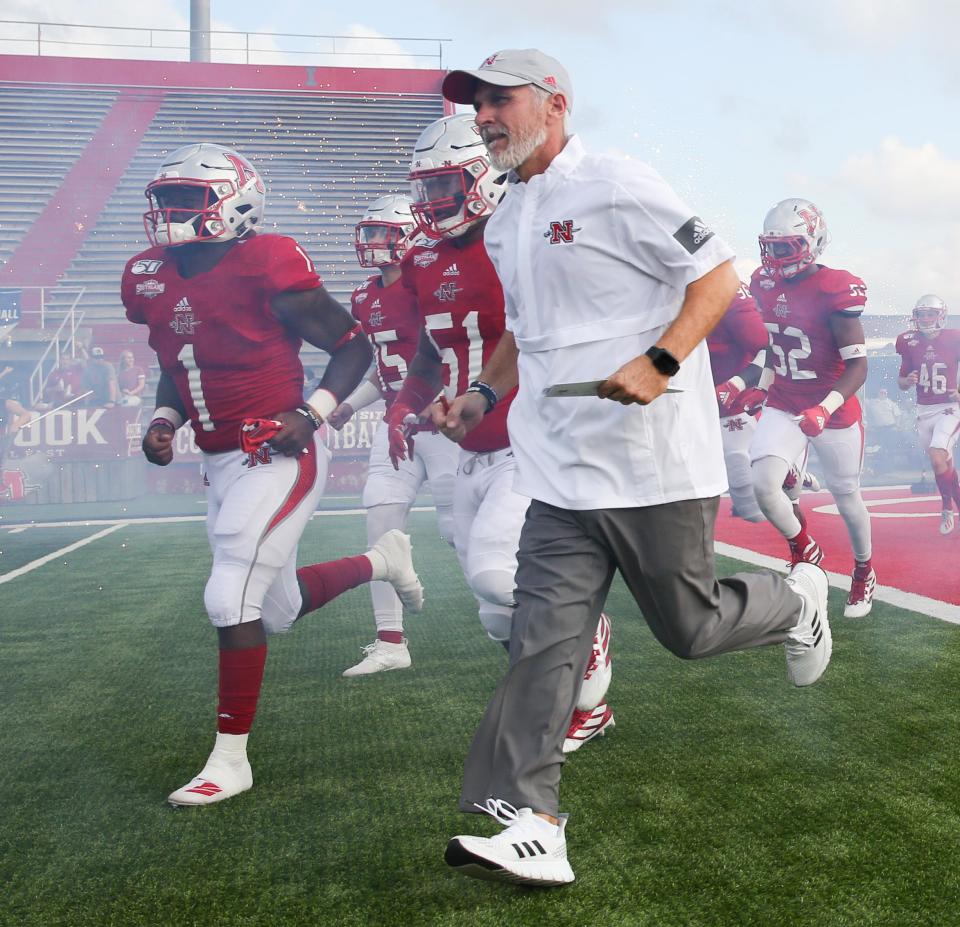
34	564
176	519
934	608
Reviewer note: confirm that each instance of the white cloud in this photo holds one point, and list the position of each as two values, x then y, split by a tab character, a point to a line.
560	16
895	180
132	39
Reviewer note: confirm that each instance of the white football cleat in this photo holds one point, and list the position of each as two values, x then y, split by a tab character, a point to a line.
226	774
946	521
810	643
529	851
862	584
392	562
379	657
585	725
596	680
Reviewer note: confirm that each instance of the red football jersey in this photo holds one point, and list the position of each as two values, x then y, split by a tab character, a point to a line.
806	358
460	302
739	335
215	334
390	320
936	360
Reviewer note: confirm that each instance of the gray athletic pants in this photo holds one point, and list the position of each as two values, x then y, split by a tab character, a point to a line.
566	563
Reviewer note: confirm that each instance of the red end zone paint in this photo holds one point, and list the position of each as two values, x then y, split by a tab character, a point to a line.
909	553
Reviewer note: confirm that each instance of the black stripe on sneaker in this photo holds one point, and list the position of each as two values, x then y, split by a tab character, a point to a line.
517	850
529	849
817	639
539	846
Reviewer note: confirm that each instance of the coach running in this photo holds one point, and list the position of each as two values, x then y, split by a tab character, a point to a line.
607	276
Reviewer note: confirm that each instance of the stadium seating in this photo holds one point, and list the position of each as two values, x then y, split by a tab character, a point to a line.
323	158
43	131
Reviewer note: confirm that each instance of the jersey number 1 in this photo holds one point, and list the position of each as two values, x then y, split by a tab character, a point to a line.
196	386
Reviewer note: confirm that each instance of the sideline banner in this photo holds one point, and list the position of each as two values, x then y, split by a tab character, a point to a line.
97	436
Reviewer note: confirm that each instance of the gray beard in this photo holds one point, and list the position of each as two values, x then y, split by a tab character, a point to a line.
518	150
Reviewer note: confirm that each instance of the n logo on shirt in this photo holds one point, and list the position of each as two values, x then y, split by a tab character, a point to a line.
562	231
446	292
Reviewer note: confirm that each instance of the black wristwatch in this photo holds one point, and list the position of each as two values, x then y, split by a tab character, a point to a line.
663	361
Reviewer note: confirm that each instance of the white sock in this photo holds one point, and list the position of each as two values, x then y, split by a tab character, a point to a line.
854	512
378	564
231	747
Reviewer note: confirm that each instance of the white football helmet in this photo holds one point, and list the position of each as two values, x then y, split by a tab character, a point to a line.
203	192
452	180
929	314
385	232
794	235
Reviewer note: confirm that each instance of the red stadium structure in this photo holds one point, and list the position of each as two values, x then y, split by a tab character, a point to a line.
82	137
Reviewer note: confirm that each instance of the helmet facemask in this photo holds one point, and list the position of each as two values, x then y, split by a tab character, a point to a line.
928	319
183	211
379	244
447	201
785	256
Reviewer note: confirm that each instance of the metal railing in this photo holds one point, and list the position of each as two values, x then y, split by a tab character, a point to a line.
63	338
48	38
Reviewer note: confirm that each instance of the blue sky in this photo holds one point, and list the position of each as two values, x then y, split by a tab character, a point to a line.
850	103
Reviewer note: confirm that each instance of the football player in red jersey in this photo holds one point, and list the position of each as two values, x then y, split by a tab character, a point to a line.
930	361
460	300
734	345
819	361
388	313
227	310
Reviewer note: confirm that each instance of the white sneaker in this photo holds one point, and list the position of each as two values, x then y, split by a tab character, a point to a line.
529	850
596	680
379	657
226	774
809	644
946	521
392	562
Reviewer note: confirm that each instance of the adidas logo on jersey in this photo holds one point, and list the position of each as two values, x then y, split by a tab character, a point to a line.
184	323
452	271
781	310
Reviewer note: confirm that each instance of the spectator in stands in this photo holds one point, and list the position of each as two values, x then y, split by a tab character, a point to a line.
100	377
64	383
131	380
883	420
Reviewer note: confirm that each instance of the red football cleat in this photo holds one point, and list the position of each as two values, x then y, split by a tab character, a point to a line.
585	725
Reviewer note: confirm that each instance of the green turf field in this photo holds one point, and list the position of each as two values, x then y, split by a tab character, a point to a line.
723	797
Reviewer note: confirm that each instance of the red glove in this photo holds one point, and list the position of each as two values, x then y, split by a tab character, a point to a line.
255	432
813	421
400	420
751	400
726	396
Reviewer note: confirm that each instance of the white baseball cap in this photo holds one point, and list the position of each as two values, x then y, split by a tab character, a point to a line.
513	67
